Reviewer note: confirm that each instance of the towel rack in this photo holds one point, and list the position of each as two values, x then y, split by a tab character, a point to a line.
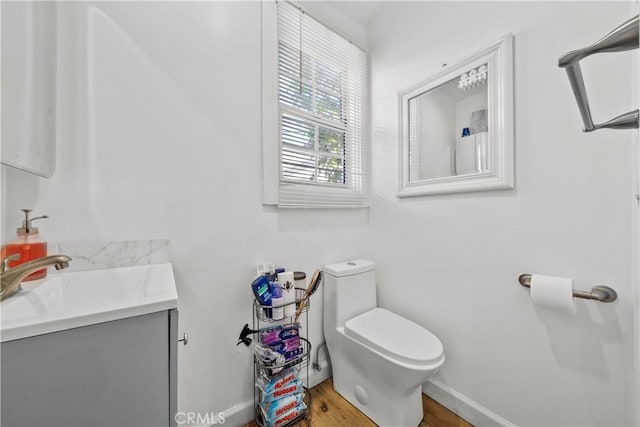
622	38
598	292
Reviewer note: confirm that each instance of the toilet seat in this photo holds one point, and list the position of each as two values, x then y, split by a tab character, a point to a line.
395	336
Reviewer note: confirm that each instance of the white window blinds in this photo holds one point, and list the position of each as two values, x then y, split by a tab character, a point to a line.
323	101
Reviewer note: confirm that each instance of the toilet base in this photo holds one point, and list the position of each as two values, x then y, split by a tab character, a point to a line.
388	392
384	408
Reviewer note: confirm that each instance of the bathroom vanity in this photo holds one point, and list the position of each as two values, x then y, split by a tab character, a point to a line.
91	348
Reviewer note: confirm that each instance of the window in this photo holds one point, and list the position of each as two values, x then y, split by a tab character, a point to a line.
322	97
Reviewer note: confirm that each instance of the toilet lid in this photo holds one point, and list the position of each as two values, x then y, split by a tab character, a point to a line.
395	336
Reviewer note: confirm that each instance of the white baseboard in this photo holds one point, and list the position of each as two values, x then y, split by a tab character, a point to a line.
242	413
462	406
237	415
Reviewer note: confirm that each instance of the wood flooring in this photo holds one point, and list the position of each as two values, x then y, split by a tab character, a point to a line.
329	409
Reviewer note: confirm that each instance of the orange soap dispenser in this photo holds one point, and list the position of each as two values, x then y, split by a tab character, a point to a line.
29	245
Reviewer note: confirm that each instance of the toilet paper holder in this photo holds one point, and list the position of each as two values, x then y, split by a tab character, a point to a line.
598	292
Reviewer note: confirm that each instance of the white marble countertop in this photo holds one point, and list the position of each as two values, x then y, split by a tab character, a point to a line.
71	300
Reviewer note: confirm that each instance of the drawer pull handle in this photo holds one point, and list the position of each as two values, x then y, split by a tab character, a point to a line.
185	339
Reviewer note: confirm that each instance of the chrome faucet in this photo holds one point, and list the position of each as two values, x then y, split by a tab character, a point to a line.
10	277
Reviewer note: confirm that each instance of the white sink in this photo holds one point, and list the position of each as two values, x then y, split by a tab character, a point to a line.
71	300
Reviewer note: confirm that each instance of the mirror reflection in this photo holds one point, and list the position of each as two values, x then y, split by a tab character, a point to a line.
449	128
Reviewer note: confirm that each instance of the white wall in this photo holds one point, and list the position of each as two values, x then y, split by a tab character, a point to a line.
159	137
451	262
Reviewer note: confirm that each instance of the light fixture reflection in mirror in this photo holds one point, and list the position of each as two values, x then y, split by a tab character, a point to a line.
456	127
448	128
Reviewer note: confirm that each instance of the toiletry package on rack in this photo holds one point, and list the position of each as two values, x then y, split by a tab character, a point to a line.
281	411
285	339
271	384
273	334
290	389
282	385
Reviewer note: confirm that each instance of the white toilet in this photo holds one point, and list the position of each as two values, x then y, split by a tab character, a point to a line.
380	359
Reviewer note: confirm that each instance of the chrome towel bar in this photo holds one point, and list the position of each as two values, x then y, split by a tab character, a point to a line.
598	292
622	38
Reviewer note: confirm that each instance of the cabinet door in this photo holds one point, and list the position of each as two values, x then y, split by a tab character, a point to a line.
109	374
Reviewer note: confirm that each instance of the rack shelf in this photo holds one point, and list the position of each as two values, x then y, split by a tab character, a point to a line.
262	311
261	318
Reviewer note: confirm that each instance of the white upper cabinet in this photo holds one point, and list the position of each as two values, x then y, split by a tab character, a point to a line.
29	86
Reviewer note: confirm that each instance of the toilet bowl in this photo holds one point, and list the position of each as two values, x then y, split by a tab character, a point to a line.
379	359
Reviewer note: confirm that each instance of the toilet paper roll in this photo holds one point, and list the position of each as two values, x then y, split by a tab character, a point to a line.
554	293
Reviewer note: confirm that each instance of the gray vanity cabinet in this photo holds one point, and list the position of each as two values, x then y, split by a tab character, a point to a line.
117	373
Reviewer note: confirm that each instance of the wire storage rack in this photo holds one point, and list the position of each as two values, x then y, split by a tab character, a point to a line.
261	319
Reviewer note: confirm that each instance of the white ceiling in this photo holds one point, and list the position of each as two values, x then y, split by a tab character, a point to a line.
361	11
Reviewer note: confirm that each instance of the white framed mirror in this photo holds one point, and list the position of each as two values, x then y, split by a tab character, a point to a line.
456	127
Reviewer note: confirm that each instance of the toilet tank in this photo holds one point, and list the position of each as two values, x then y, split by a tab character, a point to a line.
349	290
